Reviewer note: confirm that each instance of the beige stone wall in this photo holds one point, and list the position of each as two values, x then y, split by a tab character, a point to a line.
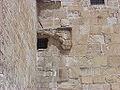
17	44
93	62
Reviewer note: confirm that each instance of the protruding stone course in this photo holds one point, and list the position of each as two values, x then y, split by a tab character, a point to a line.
63	35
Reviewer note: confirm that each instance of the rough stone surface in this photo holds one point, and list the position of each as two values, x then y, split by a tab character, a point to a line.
87	57
17	44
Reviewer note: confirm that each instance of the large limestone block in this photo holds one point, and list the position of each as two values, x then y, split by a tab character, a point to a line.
94	50
116	29
76	21
97	39
86	71
60	13
95	29
99	61
115	86
113	49
87	80
84	29
47	23
115	38
106	29
99	87
111	79
74	72
99	79
46	14
62	75
112	20
81	39
97	71
79	50
109	71
64	22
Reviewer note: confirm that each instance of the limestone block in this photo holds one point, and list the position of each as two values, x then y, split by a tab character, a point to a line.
84	29
94	49
99	79
100	61
92	20
45	14
116	29
53	85
41	61
85	12
115	86
61	62
74	13
74	72
112	3
85	71
47	23
115	38
107	38
101	20
114	60
64	22
67	3
99	87
87	80
47	73
75	29
81	39
65	89
109	71
112	20
56	23
74	7
62	75
66	45
76	21
95	29
106	29
111	78
60	13
97	71
97	39
79	50
114	49
44	79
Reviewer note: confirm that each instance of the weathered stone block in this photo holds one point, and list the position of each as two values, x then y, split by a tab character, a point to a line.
114	60
79	50
87	80
98	79
114	49
115	86
62	75
99	61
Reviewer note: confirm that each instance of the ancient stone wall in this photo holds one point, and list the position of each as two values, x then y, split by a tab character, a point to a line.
17	44
93	61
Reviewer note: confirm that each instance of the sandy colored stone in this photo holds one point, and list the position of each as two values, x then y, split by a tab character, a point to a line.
100	61
87	80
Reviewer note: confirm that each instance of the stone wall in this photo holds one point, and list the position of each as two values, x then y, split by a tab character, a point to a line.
17	44
93	62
